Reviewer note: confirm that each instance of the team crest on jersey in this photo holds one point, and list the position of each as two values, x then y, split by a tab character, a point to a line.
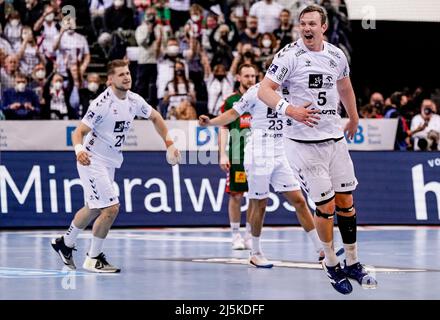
272	69
119	126
333	64
315	81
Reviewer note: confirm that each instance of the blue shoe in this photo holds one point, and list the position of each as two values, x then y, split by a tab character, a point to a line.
358	273
338	279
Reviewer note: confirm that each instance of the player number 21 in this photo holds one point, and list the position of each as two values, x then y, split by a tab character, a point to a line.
120	140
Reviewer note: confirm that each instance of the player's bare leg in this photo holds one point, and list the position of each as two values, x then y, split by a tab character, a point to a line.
305	218
96	260
258	208
346	216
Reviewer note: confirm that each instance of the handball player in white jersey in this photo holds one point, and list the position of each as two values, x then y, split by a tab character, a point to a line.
314	76
266	164
105	127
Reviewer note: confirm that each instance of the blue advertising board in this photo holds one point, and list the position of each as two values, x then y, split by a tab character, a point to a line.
42	189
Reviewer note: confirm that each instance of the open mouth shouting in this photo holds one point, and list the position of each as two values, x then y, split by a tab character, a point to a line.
308	36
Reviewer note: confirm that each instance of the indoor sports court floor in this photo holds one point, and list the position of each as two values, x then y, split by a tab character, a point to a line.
193	264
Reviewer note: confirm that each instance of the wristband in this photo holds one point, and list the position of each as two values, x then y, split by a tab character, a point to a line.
78	148
281	107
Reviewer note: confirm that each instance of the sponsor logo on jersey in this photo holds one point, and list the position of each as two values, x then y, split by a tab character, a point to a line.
245	121
98	118
90	114
119	126
328	82
285	91
144	110
308	63
348	184
334	53
300	52
345	73
240	177
315	81
289	122
272	69
323	194
333	64
282	73
328	111
271	113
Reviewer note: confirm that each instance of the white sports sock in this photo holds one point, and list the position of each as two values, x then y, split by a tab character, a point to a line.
331	259
248	229
96	247
313	235
71	235
351	253
235	228
256	247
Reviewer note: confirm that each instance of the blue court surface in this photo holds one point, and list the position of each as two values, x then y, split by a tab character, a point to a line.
199	264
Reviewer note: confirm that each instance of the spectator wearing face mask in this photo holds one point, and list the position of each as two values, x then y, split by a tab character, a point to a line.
220	84
180	90
12	30
38	82
86	95
148	37
29	54
20	102
165	69
48	28
250	34
268	47
195	22
72	48
57	95
426	127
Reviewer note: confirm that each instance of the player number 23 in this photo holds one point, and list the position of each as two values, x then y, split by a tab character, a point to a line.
276	125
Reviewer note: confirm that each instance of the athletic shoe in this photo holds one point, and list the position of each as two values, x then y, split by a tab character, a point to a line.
99	264
237	242
358	273
64	251
338	279
259	261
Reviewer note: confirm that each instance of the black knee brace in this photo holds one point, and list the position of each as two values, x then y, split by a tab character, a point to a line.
347	226
327	216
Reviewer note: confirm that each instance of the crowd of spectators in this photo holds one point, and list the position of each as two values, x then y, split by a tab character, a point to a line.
184	55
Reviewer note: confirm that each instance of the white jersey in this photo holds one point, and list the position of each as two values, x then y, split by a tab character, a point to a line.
309	76
110	119
266	124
